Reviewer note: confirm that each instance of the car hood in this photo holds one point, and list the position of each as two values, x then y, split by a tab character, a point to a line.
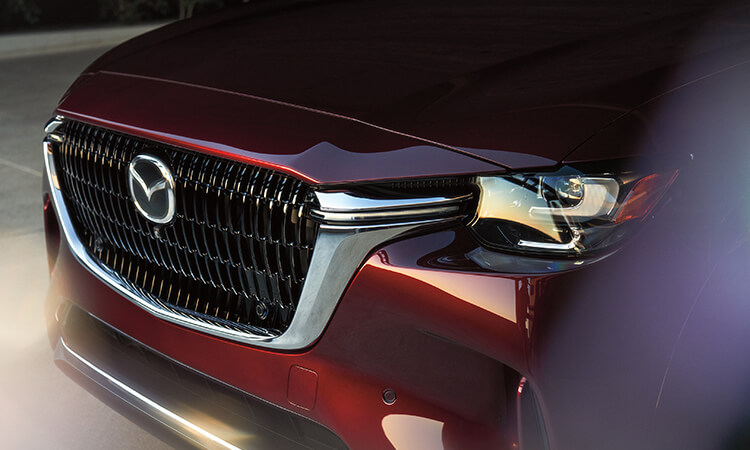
515	85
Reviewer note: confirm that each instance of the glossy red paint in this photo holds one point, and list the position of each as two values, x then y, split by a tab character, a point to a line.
405	323
601	345
434	332
316	147
302	388
524	94
643	349
652	129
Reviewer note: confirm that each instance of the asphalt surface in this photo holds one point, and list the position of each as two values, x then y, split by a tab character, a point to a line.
39	406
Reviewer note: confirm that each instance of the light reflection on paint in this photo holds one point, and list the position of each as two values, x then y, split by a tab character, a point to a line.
223	151
407	432
491	293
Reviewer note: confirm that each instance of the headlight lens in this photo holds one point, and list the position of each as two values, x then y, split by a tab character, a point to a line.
565	213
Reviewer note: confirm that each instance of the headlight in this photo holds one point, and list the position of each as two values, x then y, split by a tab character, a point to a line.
566	213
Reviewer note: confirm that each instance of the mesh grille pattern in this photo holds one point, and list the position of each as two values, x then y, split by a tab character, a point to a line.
237	252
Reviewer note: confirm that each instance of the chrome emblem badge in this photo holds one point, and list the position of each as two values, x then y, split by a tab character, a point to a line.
151	186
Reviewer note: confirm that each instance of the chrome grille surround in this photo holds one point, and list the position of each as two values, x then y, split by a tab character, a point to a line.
344	238
235	255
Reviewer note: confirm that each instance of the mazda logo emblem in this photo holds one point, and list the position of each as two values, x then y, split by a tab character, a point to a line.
151	186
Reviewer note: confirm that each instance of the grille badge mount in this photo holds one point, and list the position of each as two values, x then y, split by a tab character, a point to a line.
151	185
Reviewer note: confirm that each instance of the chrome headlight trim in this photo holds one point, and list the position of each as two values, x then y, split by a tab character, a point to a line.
347	208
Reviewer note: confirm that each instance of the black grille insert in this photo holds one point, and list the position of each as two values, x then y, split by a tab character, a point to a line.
236	254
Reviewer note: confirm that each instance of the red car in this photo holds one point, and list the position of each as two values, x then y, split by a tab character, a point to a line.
401	225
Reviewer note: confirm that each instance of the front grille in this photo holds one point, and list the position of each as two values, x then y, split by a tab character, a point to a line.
235	255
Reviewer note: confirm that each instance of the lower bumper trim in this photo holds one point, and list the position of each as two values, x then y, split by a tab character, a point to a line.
174	421
172	400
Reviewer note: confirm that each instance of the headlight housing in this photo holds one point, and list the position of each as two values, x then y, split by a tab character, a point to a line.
569	212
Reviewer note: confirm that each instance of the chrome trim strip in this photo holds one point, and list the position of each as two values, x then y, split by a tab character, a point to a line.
143	403
347	201
50	166
346	208
552	246
354	218
337	256
52	124
340	250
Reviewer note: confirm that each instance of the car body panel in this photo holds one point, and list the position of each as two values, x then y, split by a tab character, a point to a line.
316	147
353	368
524	94
643	348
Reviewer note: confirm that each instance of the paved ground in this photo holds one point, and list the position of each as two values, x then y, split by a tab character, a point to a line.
39	407
37	43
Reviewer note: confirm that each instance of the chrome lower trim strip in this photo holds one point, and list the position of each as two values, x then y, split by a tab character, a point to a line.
136	399
340	249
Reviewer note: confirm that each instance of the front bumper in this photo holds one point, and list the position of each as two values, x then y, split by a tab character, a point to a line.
188	406
437	350
454	341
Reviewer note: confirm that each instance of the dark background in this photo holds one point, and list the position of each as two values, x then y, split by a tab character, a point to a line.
21	15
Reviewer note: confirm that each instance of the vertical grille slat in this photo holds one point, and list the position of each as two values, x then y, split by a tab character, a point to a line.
240	237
